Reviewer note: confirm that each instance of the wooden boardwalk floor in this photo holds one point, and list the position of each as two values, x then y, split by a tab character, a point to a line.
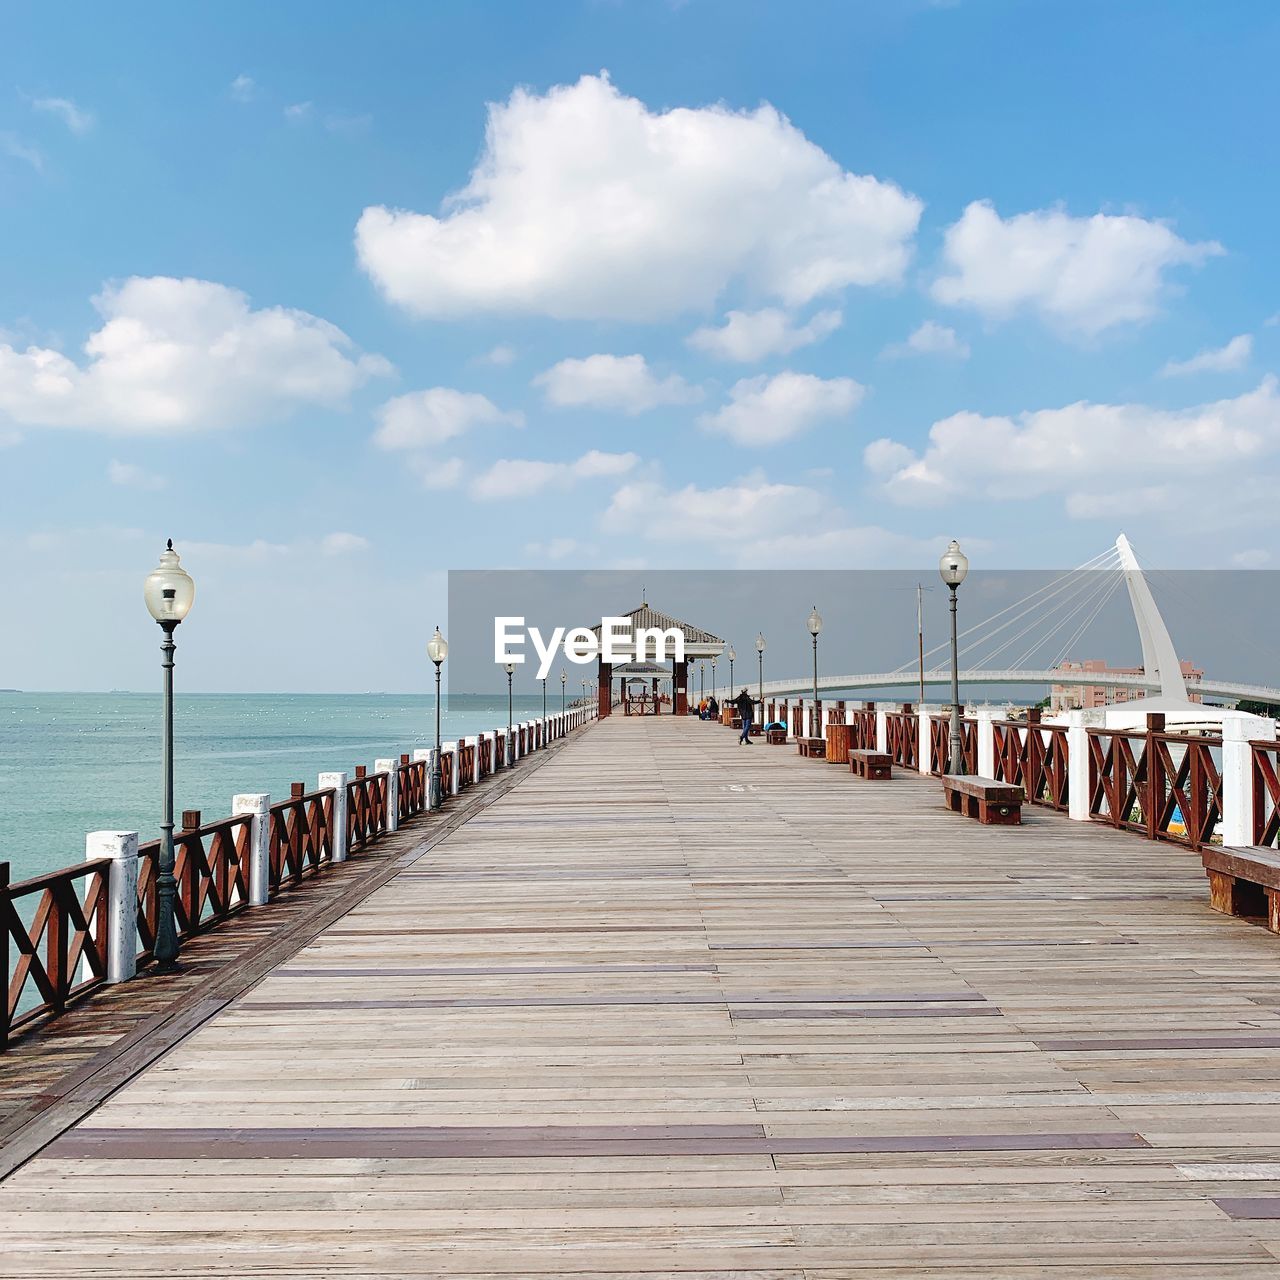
674	1007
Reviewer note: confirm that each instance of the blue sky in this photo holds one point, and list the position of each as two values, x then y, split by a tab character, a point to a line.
733	285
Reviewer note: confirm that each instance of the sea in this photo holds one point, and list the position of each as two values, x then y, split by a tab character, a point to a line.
71	763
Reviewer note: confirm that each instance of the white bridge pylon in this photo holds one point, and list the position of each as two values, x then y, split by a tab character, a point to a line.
1162	671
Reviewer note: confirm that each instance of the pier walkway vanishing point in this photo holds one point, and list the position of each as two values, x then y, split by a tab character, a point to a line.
669	1006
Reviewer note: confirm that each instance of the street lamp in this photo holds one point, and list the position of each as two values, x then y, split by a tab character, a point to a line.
168	592
564	679
437	651
953	566
760	657
544	697
510	669
815	625
731	655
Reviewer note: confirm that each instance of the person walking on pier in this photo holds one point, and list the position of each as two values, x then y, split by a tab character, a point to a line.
745	708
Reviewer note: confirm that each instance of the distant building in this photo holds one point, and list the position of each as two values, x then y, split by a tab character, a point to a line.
1070	697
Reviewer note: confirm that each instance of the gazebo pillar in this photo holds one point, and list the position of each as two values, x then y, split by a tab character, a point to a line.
679	695
604	688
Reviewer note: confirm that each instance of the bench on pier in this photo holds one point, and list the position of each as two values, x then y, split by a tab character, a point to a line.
992	803
813	748
775	737
870	764
1244	881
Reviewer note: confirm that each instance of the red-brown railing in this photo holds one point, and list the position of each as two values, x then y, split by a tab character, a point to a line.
904	738
366	808
446	774
1165	786
1034	757
299	836
53	941
411	789
940	744
1266	793
863	720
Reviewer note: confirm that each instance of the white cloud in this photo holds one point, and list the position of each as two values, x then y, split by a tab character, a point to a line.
76	119
1084	274
764	410
843	547
439	474
421	419
298	112
243	89
520	477
1235	355
729	514
625	383
16	149
930	338
748	336
555	549
501	355
131	476
342	544
183	355
1251	558
586	204
1104	459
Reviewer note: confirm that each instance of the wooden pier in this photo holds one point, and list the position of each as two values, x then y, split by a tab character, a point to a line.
670	1006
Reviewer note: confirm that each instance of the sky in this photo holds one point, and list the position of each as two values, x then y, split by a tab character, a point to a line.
343	297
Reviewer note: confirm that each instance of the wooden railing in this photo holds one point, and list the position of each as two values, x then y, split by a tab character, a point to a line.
863	722
940	744
1033	757
300	836
1266	793
53	941
904	738
411	789
1166	786
446	774
366	808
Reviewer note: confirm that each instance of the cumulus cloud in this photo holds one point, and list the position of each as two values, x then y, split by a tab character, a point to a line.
422	419
624	383
726	514
1090	453
1082	274
129	475
931	338
243	88
341	544
764	410
76	118
586	204
748	336
183	355
1226	359
521	477
499	356
439	474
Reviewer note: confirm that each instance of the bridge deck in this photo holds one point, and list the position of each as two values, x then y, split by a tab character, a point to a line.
671	1006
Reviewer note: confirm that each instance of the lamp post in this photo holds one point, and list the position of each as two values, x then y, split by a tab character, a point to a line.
731	655
168	592
760	657
953	566
564	679
713	671
510	669
815	625
702	681
437	651
544	697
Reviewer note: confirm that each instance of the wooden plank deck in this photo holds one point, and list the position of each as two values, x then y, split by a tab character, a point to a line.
675	1007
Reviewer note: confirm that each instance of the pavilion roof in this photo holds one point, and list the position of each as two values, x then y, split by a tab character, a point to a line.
647	616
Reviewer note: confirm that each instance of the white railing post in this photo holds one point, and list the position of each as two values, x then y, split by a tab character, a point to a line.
392	769
122	898
428	756
338	782
258	806
882	729
1239	729
1078	762
455	768
984	720
924	714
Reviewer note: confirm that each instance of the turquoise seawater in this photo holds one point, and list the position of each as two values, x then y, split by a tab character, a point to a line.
75	762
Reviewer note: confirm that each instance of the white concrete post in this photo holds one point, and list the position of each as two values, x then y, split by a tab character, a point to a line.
984	719
924	713
428	756
338	781
882	729
1078	761
1238	730
258	805
392	769
455	769
475	758
122	898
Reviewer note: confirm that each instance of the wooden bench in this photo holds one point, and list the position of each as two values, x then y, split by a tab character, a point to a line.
775	737
870	764
813	748
993	803
1245	881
